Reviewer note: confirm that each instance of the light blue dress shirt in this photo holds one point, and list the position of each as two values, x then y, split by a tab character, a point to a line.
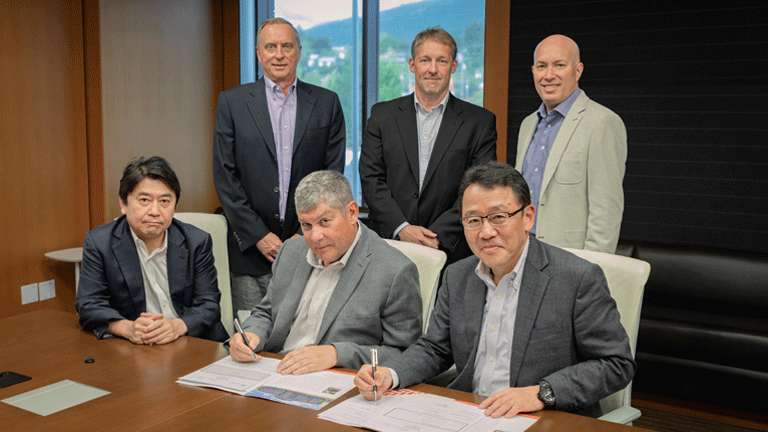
282	114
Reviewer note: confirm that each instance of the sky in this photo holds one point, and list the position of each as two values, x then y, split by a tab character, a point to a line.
309	13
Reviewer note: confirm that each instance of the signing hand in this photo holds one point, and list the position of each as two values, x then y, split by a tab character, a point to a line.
419	235
308	359
365	381
241	352
269	246
511	401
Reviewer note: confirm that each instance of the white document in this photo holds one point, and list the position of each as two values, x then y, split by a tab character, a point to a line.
260	379
420	413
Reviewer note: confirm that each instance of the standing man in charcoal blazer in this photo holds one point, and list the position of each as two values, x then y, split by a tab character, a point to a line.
336	293
572	152
527	324
268	135
415	149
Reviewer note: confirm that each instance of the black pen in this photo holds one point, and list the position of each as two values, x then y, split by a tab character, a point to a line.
245	339
374	363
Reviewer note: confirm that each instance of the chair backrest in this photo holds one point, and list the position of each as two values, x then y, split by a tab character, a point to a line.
216	226
626	280
429	262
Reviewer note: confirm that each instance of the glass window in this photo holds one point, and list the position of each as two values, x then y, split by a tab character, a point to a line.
332	52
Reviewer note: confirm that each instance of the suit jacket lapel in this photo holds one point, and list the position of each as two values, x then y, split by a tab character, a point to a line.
305	103
405	118
475	304
283	319
259	109
526	132
448	127
532	290
571	120
127	258
350	278
177	259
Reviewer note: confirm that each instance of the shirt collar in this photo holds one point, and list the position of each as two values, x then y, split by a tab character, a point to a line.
316	262
562	108
140	243
271	85
484	272
440	105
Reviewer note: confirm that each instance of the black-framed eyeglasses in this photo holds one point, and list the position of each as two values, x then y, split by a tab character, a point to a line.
495	219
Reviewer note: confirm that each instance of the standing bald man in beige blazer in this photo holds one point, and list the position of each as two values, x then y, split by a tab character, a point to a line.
572	152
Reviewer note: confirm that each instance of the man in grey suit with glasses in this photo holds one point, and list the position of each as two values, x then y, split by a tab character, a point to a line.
527	324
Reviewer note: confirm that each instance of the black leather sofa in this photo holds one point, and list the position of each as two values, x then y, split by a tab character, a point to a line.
704	325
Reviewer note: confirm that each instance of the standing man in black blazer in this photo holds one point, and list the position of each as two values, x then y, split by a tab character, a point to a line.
416	148
267	136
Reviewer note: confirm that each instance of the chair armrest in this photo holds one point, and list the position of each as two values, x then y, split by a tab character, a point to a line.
624	415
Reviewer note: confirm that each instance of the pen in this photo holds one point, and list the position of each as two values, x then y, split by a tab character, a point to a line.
242	333
374	363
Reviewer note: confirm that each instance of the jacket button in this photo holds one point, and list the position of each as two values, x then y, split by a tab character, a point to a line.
277	189
416	195
277	216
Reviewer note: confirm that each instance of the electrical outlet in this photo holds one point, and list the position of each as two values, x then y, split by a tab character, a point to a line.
47	289
29	293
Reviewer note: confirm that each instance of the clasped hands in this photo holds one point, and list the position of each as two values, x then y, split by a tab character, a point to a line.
149	329
297	362
419	235
508	402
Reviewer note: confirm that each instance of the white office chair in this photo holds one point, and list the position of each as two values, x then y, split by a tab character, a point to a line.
626	280
429	262
216	226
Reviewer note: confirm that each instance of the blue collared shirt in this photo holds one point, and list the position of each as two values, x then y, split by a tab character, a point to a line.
541	143
282	114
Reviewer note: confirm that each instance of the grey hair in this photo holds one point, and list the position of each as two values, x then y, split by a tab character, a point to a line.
323	186
272	21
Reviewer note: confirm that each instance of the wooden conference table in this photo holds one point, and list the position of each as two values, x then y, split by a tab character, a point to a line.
50	346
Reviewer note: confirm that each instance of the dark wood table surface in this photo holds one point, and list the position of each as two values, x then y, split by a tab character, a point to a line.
50	346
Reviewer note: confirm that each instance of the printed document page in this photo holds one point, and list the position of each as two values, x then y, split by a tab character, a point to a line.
418	412
260	379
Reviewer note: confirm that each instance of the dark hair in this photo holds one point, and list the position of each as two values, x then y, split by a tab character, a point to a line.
155	168
495	174
436	34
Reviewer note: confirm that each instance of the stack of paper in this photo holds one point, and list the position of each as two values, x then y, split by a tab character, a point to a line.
419	412
260	379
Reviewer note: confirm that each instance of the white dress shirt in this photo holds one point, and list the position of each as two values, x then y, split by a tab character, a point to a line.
154	272
494	350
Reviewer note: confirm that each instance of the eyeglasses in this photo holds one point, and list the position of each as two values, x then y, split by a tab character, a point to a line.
495	219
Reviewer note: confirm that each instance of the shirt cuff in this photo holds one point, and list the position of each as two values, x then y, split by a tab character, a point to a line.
395	379
397	231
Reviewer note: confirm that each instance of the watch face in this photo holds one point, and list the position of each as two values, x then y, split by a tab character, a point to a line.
546	395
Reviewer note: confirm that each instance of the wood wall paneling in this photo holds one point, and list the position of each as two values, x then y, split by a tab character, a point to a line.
161	74
497	21
43	164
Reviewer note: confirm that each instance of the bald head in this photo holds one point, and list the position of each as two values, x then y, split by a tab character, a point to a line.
556	69
563	42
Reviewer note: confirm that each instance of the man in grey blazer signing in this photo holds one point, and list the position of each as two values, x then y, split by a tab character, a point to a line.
267	136
572	152
527	324
336	293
